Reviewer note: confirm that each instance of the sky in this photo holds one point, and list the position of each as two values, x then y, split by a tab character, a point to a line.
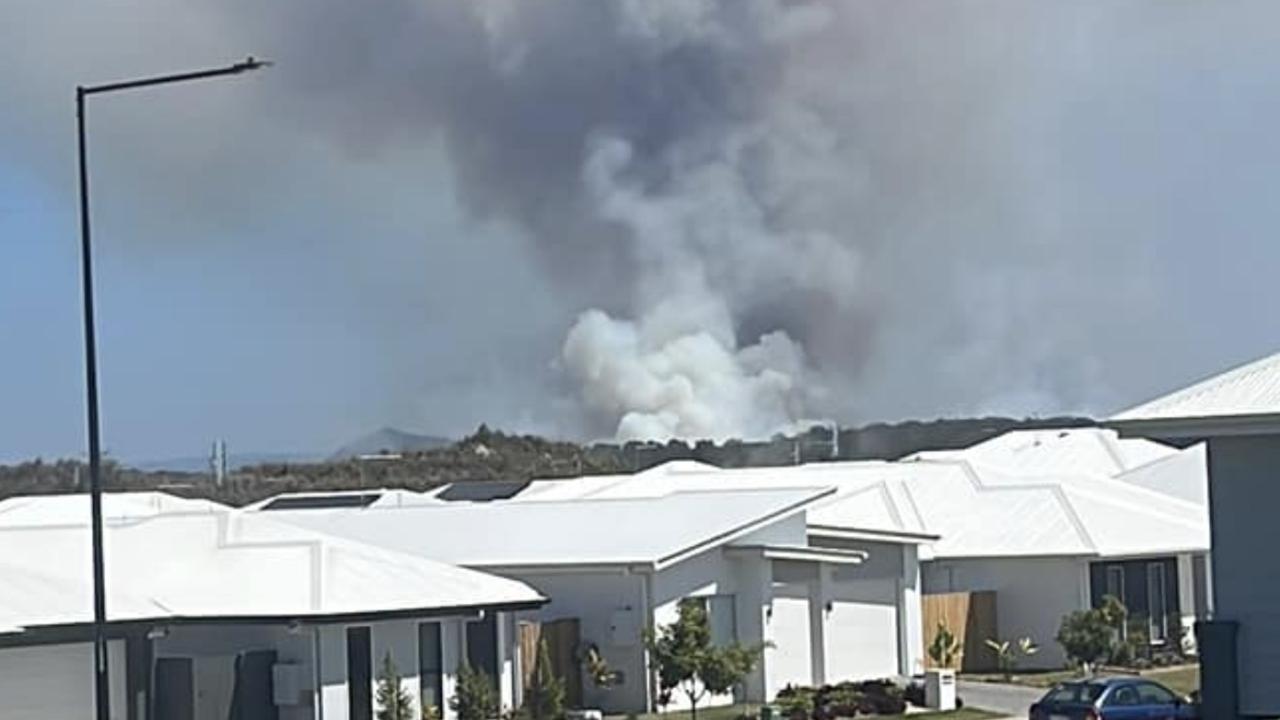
629	219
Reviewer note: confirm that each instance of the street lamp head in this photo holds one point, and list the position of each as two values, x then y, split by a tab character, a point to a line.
251	63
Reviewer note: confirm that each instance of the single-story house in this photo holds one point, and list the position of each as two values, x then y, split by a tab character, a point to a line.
1051	523
620	566
211	610
1237	413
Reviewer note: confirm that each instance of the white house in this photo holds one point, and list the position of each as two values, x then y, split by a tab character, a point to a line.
620	566
1238	414
211	609
1051	521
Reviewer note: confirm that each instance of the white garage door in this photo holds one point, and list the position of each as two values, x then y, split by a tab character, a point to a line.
54	681
862	631
788	662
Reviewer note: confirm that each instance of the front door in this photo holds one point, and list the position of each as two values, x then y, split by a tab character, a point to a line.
175	697
254	696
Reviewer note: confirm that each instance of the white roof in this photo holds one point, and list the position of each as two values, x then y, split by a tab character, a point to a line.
1249	391
227	564
35	510
1090	450
651	531
374	497
973	510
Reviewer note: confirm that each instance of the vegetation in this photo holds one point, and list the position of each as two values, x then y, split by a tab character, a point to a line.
1089	637
687	660
743	712
492	455
394	702
945	650
846	699
544	697
1009	654
476	697
597	668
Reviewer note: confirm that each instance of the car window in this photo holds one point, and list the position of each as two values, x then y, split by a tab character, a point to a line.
1123	695
1152	694
1085	693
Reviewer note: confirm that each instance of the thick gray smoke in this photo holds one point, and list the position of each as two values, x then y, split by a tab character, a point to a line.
763	207
660	217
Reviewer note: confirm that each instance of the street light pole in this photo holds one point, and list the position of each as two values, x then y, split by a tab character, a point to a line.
101	686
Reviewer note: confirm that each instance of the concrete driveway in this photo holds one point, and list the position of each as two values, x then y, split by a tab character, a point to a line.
1012	700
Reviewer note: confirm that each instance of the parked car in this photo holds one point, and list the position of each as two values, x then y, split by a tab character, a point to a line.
1114	698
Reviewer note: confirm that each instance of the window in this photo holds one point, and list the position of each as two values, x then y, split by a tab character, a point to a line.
1152	694
430	665
482	645
1115	582
1157	608
359	674
1074	693
1123	695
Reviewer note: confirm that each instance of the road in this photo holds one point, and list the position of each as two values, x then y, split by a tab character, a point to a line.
1012	700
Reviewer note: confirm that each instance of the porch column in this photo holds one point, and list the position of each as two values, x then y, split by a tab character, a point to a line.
910	614
754	596
819	596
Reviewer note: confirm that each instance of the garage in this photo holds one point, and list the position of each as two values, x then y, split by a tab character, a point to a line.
56	681
789	661
862	630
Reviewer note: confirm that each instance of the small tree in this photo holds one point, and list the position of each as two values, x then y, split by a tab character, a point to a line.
945	649
394	703
1087	637
475	698
1008	654
597	669
544	698
687	660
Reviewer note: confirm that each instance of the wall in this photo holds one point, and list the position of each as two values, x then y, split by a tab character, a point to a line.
1244	492
610	608
1032	595
41	681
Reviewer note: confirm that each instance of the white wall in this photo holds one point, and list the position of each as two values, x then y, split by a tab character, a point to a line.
610	608
40	682
1032	595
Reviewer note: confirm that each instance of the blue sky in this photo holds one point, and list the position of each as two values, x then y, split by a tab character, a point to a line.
280	270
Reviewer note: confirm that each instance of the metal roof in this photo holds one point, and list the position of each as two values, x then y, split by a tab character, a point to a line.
70	509
1246	395
227	565
651	531
973	509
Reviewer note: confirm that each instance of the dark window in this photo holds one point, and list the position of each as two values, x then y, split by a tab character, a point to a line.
1122	696
1115	582
430	665
359	674
322	502
1157	607
1152	694
482	645
1074	693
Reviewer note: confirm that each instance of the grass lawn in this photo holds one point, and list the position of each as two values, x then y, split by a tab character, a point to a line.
730	712
1182	679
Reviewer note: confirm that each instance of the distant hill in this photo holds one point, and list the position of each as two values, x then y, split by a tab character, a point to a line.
389	440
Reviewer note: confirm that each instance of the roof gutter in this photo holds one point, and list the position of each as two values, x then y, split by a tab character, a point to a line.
845	533
1197	427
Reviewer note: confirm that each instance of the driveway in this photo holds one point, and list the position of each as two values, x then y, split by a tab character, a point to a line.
1013	700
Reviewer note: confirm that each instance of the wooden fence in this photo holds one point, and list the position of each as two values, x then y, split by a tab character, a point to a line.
562	645
971	618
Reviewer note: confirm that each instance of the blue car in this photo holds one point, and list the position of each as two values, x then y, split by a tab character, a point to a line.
1113	698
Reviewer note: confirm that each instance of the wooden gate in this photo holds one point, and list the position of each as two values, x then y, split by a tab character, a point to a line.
971	618
562	645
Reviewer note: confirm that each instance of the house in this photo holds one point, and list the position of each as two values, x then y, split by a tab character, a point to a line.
616	567
1051	521
210	609
1237	414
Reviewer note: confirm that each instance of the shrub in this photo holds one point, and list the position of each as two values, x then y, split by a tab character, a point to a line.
544	698
1087	638
945	649
686	658
476	697
394	703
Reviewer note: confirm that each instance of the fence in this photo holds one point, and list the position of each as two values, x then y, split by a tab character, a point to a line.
562	646
971	618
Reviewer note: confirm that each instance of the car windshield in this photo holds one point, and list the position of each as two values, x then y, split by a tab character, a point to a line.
1074	693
